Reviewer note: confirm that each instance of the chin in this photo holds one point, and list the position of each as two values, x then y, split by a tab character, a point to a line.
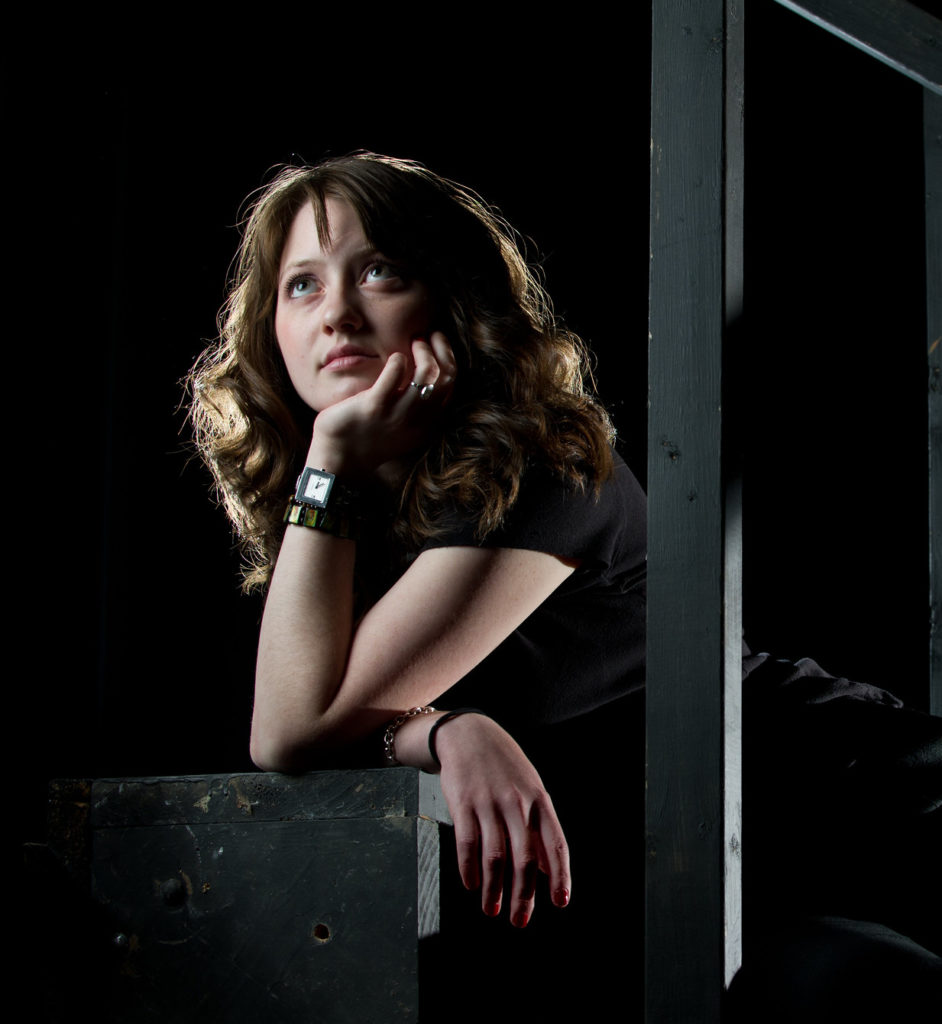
343	390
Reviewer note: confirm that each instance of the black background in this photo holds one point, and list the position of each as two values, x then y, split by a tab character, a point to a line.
131	648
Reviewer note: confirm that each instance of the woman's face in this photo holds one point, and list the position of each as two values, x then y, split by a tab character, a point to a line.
342	311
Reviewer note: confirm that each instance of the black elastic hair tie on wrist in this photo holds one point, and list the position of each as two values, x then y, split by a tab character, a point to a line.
439	722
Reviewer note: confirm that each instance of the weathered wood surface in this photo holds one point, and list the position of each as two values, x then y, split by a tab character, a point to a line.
263	897
693	943
932	141
898	33
377	793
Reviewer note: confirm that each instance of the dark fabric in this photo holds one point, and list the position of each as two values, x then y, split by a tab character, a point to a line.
824	970
584	646
842	803
568	685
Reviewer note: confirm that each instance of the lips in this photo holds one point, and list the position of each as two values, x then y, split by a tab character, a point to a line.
342	356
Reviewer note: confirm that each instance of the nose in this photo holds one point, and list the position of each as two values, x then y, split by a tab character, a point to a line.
342	312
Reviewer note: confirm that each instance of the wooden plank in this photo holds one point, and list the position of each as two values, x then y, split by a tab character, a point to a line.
898	33
733	288
261	796
692	933
932	141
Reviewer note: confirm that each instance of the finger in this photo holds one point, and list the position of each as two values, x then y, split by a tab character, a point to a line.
425	370
468	845
445	356
493	860
390	377
447	364
555	856
525	865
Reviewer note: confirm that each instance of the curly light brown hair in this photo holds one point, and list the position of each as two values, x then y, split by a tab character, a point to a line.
523	390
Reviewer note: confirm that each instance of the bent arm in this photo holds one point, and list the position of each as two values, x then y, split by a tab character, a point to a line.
321	683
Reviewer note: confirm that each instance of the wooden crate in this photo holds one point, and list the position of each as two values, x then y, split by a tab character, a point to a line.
258	897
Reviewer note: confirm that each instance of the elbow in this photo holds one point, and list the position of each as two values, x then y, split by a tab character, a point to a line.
296	743
271	761
285	753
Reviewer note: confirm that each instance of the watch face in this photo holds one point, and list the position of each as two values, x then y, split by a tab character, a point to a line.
314	487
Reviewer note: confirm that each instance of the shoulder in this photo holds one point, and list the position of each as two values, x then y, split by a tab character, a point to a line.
557	517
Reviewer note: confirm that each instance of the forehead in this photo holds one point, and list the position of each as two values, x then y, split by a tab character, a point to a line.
339	232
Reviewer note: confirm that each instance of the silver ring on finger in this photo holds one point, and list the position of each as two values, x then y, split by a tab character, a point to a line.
424	390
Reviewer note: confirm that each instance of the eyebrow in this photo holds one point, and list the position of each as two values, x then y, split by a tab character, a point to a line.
307	262
299	264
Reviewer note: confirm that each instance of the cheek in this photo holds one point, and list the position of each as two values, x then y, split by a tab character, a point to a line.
294	367
416	316
285	339
281	327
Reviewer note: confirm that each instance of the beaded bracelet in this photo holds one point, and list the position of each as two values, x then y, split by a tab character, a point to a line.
340	522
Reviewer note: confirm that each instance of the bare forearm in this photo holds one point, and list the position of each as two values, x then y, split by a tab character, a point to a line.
303	646
319	682
322	684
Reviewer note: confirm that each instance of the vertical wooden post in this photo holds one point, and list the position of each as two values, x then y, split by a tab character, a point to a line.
693	937
932	141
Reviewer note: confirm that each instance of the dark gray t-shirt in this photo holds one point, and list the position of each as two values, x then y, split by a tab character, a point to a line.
584	646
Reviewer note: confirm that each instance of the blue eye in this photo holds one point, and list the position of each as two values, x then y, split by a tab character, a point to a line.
382	272
300	286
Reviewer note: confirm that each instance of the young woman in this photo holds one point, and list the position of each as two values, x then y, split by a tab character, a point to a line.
457	582
480	544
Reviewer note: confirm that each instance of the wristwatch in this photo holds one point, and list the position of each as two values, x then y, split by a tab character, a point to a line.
321	502
314	487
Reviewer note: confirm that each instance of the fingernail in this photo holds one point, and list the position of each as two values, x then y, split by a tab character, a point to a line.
561	899
492	909
521	920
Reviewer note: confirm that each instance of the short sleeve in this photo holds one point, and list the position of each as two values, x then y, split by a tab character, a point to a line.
584	646
604	531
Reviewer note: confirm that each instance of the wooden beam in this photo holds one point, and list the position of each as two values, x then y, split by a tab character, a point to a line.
693	928
932	141
896	32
